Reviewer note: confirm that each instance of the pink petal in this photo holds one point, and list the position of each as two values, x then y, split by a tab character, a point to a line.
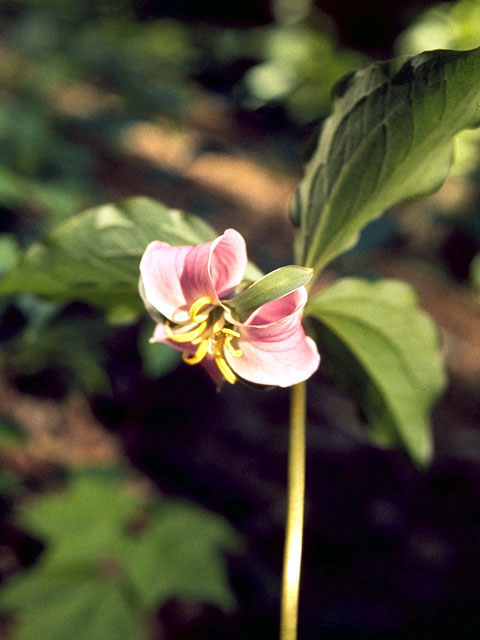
174	277
277	354
159	334
228	261
275	310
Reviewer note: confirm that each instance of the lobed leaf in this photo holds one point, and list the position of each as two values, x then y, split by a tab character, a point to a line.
85	505
99	578
83	521
388	139
384	349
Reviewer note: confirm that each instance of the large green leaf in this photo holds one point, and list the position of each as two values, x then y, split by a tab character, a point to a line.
387	139
94	256
383	348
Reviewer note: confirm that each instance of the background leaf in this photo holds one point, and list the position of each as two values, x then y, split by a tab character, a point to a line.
387	139
9	251
111	558
157	359
178	556
94	256
57	605
381	346
83	521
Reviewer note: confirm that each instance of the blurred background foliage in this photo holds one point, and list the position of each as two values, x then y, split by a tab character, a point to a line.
113	460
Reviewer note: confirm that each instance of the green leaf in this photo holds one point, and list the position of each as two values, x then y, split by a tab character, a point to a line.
383	348
177	553
43	583
270	287
179	556
82	521
387	139
78	605
95	255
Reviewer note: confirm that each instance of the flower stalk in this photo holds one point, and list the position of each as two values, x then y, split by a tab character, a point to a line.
294	520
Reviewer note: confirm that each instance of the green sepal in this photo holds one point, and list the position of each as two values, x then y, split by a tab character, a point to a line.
275	284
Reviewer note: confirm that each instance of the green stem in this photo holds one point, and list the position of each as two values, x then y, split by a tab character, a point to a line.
294	522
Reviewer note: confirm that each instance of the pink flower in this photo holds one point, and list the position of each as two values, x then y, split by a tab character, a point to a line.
189	286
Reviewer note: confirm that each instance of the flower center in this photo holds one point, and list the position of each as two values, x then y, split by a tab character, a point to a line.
209	332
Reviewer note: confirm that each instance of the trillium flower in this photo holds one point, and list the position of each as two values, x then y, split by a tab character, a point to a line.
190	289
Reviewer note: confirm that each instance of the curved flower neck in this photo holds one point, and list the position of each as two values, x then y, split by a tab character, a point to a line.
209	332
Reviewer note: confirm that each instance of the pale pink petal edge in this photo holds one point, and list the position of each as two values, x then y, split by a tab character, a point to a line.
280	354
160	270
227	262
271	312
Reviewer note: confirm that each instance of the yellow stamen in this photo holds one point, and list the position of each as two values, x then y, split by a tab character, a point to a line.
199	354
188	336
229	346
207	335
197	306
225	370
231	332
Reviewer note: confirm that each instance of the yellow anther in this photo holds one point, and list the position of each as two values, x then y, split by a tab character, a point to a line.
199	354
225	370
231	332
229	346
187	336
207	338
197	306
